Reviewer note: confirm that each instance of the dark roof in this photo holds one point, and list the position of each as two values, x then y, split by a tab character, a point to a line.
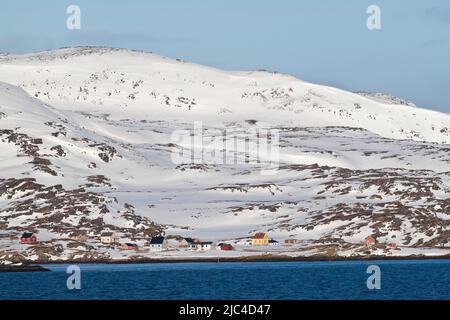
131	244
157	240
273	241
259	235
200	243
107	234
27	235
189	240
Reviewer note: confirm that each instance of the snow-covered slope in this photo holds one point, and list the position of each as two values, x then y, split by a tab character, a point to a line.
124	84
86	144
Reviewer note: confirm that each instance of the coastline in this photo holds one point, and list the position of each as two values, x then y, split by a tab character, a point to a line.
39	265
261	258
24	268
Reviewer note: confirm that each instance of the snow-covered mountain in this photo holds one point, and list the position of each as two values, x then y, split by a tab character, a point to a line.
86	138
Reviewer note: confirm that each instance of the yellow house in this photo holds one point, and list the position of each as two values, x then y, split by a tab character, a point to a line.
260	239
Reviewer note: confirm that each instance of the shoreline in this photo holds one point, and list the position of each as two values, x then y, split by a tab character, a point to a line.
262	258
39	265
24	268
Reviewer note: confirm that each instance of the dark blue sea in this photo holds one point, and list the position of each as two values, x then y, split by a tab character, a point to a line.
414	279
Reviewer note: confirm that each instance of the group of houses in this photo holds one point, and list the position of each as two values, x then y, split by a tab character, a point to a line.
370	242
159	243
259	239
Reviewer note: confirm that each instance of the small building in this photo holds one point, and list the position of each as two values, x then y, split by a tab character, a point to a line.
157	243
205	246
186	242
370	241
273	242
291	241
260	239
78	236
130	246
225	247
201	246
108	238
392	245
189	240
29	238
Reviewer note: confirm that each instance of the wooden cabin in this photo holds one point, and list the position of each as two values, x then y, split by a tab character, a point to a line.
370	241
260	239
225	247
130	246
157	243
291	241
108	238
201	246
29	238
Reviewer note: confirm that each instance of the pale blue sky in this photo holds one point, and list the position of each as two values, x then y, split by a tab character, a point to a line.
320	41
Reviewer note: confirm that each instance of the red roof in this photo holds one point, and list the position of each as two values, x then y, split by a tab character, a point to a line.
259	235
226	247
370	239
28	238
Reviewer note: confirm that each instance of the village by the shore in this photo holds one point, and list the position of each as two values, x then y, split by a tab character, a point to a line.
109	246
161	243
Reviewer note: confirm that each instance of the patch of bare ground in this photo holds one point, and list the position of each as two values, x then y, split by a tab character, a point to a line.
63	211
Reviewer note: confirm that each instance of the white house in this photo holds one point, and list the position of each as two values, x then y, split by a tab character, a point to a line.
201	246
157	244
186	242
108	238
273	242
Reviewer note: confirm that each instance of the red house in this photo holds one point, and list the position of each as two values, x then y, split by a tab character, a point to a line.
393	245
370	241
28	238
130	246
226	247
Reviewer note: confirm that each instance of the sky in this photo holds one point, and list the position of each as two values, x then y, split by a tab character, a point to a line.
325	42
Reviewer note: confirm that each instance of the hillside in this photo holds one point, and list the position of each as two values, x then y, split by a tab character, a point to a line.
86	142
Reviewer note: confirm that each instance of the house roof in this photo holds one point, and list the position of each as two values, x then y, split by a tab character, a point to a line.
27	235
131	244
107	234
157	240
201	243
189	240
260	235
273	241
